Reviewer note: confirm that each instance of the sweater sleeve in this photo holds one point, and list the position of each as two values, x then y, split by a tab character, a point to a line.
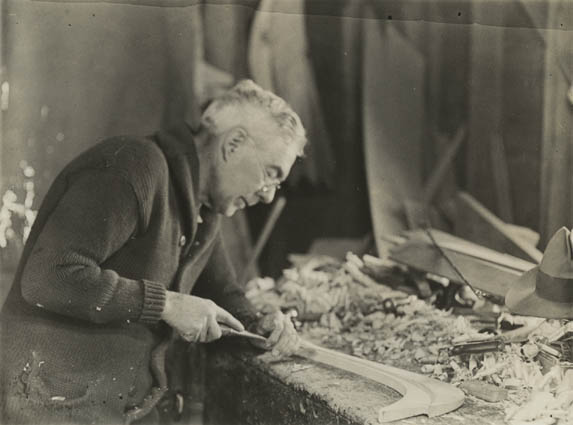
95	217
218	283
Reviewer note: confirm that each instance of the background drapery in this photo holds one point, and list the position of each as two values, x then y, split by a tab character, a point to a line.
74	72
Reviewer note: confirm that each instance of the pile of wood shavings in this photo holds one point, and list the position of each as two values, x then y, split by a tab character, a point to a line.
321	285
340	307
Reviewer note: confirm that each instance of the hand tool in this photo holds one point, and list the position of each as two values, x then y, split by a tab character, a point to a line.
390	306
476	347
564	346
228	331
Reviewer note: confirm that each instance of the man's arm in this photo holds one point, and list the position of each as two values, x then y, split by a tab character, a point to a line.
218	283
197	319
95	217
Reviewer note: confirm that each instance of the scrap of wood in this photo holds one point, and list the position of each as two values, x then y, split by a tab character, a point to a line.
274	215
423	286
444	164
394	239
420	394
484	391
475	222
524	233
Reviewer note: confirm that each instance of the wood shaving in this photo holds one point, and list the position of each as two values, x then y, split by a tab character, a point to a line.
341	307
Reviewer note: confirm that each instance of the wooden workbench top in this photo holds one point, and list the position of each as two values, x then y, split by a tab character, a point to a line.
247	387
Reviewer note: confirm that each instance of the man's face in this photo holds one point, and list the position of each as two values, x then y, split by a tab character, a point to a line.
252	164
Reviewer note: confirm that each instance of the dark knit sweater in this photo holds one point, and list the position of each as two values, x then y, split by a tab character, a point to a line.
81	336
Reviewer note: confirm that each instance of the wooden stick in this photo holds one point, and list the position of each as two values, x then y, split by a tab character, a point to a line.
263	238
444	164
497	227
453	243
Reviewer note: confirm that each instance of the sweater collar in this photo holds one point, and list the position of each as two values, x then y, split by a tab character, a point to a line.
181	154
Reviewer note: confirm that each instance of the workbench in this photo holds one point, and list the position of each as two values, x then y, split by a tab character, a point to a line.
246	387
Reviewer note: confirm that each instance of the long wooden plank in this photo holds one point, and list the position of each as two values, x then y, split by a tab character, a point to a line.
270	223
420	394
453	243
444	164
488	277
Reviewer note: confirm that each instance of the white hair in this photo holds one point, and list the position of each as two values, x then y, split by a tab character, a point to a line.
247	93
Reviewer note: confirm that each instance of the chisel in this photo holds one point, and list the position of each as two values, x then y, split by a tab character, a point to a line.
228	331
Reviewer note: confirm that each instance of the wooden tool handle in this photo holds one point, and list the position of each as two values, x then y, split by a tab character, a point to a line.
228	331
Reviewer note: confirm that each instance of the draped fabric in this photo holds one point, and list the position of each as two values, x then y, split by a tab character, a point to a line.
79	72
75	73
557	144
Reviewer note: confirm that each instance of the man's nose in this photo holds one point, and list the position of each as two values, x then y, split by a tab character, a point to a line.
268	196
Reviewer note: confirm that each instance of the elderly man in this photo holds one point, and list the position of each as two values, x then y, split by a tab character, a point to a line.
125	257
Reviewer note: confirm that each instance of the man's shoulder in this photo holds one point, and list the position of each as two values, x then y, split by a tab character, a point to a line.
134	157
126	151
136	160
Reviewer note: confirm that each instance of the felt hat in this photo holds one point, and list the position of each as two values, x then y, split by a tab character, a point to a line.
547	289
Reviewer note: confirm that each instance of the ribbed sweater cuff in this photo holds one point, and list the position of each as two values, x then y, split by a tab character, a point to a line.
153	302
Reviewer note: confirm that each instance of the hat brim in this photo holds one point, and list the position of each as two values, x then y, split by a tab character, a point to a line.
522	299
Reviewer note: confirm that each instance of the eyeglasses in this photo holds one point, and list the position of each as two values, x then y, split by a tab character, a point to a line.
267	186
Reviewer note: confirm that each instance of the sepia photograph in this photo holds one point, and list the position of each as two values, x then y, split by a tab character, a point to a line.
286	212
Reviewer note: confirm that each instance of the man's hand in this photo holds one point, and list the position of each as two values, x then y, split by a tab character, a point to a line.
196	319
282	337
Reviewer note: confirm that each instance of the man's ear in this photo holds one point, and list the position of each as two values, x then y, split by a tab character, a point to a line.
232	141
